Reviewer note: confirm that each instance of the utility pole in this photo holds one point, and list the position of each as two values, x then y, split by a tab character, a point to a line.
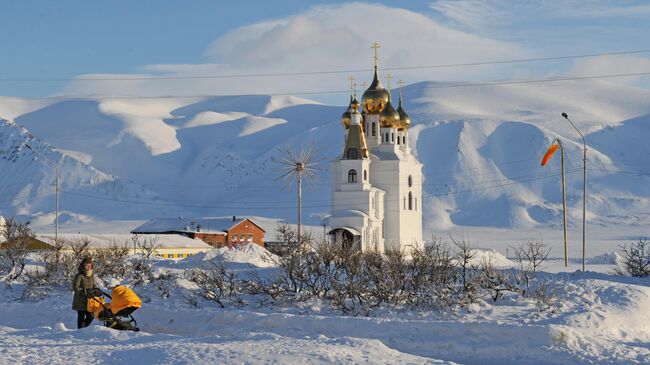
584	190
57	190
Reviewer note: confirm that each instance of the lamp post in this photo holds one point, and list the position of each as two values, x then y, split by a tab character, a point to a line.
56	218
584	189
566	249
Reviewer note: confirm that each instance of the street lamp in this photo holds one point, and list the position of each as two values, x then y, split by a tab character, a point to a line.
56	218
584	189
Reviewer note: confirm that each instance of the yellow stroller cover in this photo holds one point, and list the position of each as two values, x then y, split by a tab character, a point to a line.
123	298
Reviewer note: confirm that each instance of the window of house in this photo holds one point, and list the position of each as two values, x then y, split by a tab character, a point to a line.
352	176
234	237
250	238
181	255
353	153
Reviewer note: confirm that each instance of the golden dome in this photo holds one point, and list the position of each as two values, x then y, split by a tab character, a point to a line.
389	117
346	118
404	119
376	97
354	104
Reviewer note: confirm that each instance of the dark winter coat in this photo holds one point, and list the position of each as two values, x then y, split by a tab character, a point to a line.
80	282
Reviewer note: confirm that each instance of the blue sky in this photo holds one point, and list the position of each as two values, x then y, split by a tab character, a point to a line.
67	39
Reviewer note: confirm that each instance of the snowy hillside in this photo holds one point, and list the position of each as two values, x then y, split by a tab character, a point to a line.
480	148
28	182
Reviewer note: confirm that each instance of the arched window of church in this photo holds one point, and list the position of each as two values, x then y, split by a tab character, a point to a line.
352	176
404	202
410	181
353	153
392	137
410	201
416	204
398	140
374	129
403	139
365	175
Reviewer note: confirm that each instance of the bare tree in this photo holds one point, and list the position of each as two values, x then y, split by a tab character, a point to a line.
530	257
465	257
15	238
636	259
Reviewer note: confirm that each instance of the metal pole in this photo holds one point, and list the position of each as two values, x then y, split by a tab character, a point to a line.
584	191
56	167
584	204
566	246
56	219
299	204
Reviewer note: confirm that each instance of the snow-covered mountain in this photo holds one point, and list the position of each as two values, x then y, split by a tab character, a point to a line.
480	146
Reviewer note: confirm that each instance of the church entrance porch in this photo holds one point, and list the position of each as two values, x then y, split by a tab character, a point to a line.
345	237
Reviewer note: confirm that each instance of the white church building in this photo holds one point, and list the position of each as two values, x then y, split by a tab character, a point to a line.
377	181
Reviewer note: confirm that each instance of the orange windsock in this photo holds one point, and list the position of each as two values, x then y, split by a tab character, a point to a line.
549	153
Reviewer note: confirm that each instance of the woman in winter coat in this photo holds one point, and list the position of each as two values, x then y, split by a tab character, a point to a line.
82	281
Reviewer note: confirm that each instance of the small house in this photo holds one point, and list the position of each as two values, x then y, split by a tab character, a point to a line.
216	232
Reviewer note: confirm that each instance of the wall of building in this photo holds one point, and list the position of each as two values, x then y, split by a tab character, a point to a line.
245	232
215	240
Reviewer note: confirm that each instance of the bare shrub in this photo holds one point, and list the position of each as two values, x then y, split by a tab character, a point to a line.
636	259
294	264
216	284
497	282
141	266
466	262
165	282
111	261
15	238
546	297
530	257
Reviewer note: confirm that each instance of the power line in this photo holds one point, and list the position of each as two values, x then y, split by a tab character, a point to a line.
325	72
276	207
329	92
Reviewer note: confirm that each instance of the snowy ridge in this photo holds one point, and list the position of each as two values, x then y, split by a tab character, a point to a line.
480	148
27	181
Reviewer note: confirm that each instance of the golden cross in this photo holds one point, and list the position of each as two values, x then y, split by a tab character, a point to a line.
355	89
351	79
388	77
400	83
376	46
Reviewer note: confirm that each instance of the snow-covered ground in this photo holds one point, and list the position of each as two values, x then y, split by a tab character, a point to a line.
602	318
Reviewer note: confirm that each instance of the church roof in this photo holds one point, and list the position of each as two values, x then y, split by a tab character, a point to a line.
356	139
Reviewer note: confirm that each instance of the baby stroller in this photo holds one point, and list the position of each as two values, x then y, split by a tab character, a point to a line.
117	313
